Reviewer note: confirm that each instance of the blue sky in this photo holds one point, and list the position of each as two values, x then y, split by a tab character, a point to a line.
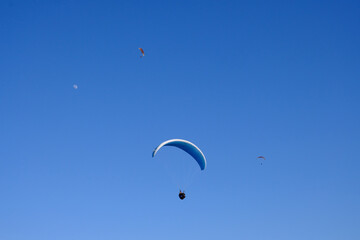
238	78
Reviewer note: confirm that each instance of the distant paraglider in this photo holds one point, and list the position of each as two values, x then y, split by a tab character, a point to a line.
261	157
142	52
75	86
182	195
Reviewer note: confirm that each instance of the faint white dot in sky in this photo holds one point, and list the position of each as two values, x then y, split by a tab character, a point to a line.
75	86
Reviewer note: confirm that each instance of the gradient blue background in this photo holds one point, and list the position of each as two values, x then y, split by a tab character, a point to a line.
238	78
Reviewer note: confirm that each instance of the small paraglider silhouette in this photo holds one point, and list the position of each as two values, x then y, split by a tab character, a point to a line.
142	51
182	195
262	158
75	86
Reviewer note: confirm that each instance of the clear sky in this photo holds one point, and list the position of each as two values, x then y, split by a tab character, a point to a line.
238	78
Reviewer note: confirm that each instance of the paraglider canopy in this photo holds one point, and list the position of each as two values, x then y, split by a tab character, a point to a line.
142	51
188	147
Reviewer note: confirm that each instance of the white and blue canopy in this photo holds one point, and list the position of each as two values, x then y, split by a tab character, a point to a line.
188	147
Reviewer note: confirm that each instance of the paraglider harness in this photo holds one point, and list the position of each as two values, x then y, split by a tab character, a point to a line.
182	195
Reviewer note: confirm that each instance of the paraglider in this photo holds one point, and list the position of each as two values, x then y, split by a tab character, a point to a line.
142	51
262	157
182	195
188	147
